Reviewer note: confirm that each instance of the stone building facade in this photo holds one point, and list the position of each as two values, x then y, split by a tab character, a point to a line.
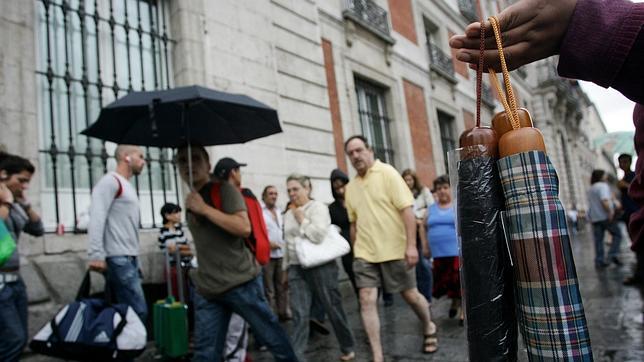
331	68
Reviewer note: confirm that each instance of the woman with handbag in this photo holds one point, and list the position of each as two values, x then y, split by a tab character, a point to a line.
310	257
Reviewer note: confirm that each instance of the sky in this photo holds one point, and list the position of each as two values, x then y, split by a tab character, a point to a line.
615	109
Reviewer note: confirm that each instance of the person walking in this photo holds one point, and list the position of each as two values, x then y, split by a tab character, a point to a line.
309	219
340	218
18	216
630	207
439	232
383	232
275	279
227	279
113	231
601	213
422	200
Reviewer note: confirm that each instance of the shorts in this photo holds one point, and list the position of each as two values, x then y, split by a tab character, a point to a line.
394	276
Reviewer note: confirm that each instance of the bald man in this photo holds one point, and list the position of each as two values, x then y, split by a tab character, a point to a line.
114	229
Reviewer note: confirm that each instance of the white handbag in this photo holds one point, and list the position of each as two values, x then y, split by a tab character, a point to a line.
333	246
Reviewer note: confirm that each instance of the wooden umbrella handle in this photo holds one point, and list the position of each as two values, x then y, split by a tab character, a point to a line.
514	125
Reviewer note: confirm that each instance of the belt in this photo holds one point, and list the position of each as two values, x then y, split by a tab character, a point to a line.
9	278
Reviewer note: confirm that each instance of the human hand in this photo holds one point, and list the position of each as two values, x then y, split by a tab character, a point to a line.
195	203
275	246
411	257
299	214
97	265
530	30
185	250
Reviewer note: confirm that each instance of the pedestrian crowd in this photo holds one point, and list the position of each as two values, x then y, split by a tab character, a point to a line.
401	235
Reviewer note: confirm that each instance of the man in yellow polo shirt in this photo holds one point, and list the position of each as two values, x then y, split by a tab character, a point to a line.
383	233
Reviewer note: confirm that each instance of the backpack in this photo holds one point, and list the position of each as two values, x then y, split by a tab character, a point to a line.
257	241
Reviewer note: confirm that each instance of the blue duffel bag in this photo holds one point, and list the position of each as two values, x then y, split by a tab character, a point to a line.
92	329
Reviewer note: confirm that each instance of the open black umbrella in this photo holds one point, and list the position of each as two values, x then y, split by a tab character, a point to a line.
184	116
172	117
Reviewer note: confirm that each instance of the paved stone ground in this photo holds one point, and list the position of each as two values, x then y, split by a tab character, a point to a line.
614	314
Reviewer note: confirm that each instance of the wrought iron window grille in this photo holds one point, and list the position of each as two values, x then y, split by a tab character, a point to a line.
90	53
374	122
369	15
441	62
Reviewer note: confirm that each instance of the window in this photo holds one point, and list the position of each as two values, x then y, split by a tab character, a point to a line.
374	121
90	53
448	138
439	60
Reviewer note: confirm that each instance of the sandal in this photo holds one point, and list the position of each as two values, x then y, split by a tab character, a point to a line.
430	343
348	357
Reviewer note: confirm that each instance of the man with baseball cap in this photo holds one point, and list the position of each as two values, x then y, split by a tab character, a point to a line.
227	169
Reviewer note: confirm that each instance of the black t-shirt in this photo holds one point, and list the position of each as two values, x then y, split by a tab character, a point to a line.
340	217
629	205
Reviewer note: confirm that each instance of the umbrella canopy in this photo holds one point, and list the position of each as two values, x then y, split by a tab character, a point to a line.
617	142
174	117
549	305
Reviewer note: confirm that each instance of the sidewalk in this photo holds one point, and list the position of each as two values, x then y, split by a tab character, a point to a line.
613	311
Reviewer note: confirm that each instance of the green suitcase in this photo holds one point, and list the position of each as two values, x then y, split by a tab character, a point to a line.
170	319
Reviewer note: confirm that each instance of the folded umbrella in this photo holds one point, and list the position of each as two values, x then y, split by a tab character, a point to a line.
549	305
486	274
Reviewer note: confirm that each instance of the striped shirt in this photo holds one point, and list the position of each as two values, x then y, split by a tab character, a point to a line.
172	237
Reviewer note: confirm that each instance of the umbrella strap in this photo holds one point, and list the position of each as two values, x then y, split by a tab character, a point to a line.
510	104
479	68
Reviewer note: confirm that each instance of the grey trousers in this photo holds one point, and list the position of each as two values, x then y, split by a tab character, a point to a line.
276	287
321	281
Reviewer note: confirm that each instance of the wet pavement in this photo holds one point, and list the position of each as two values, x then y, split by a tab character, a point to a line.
613	311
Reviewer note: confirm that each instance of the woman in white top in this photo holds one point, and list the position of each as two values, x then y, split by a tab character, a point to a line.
309	219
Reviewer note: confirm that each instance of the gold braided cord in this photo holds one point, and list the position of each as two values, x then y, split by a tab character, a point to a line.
506	75
495	82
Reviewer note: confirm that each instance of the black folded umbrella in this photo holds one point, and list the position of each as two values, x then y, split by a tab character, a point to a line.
486	273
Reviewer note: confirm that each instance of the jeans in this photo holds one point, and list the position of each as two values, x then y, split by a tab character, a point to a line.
13	320
599	229
213	316
125	282
424	277
322	283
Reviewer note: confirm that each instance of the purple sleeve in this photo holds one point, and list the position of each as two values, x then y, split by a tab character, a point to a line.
604	44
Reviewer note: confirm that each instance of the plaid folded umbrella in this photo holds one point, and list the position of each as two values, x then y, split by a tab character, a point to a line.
486	274
549	306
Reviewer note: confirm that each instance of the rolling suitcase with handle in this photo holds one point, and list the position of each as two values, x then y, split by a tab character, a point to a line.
170	317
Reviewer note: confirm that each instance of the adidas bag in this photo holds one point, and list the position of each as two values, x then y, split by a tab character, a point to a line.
92	329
